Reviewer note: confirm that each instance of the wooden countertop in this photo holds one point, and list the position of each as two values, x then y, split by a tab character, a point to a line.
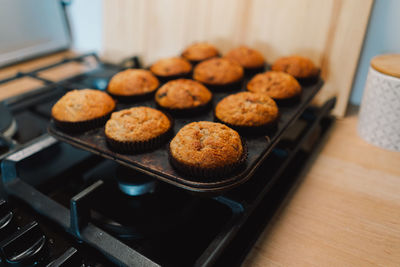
344	212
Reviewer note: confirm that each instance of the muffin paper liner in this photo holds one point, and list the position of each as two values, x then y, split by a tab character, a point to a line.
284	102
82	126
249	72
309	80
164	79
265	129
195	62
126	147
225	87
209	173
187	112
133	98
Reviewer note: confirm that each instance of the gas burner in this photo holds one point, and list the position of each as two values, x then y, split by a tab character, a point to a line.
134	183
142	216
8	125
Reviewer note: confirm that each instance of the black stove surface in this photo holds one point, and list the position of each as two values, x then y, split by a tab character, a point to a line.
65	206
163	225
31	111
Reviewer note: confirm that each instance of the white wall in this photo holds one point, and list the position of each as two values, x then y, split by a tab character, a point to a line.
86	18
383	36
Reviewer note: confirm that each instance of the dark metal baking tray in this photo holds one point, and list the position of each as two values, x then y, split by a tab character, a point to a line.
155	163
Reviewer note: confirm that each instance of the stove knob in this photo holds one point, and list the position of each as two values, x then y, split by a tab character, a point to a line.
25	247
69	258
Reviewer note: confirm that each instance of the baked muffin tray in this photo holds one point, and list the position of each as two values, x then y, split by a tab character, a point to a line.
156	164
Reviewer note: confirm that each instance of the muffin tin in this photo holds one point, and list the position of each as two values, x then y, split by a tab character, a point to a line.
156	164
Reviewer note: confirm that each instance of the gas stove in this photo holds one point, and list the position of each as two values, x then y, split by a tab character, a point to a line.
62	206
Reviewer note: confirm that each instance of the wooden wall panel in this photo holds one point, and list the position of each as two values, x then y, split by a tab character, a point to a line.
289	32
341	54
330	32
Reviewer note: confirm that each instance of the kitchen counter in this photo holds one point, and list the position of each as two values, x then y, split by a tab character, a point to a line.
345	210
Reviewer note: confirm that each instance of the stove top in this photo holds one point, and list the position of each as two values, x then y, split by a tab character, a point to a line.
61	206
25	117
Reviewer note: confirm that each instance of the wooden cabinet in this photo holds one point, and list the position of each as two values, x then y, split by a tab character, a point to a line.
330	32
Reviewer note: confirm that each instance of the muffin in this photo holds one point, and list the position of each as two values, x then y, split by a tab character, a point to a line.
80	110
137	129
199	51
303	69
247	112
171	68
219	74
183	97
132	84
251	60
282	87
207	149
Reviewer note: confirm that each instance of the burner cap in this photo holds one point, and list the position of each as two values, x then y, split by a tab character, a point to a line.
134	183
8	125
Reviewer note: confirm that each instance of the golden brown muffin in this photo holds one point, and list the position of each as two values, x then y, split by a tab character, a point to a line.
182	94
137	128
218	71
172	67
137	124
246	109
206	149
276	84
200	51
132	82
82	109
247	57
297	66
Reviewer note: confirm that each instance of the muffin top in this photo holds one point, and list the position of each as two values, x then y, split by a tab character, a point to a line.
247	57
207	145
218	71
247	109
171	66
297	66
276	84
200	51
182	93
137	124
82	105
132	82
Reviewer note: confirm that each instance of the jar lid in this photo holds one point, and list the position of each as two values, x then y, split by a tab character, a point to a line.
388	64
